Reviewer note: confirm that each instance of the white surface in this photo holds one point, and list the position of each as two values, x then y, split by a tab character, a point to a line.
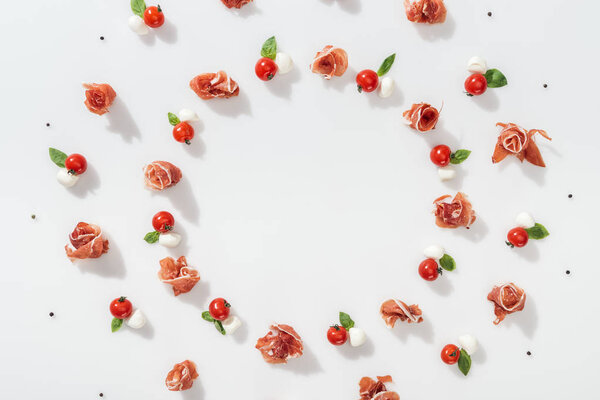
293	225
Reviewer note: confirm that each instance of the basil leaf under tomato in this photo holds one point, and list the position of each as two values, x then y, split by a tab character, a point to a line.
464	362
57	157
219	327
116	324
173	119
152	237
495	78
538	231
459	156
206	316
447	263
138	7
346	321
386	65
269	48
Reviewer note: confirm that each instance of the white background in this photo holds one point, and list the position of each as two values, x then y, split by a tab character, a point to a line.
300	198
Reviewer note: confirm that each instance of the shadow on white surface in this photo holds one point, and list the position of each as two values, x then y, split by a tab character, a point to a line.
424	331
395	100
148	39
248	10
354	353
281	86
196	392
147	331
443	285
530	252
476	232
231	107
241	334
488	101
349	6
197	148
182	198
198	296
167	33
120	121
534	173
339	83
87	183
109	265
433	32
307	364
480	356
526	320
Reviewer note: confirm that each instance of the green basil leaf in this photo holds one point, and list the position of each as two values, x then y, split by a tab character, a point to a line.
538	231
152	237
447	263
346	321
57	157
495	78
138	7
459	156
386	65
464	362
269	48
173	119
219	327
206	316
116	324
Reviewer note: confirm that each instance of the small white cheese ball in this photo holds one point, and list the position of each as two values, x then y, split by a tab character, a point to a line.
65	178
169	239
477	65
188	115
386	87
284	63
358	337
136	320
525	220
434	251
446	173
231	324
469	343
138	25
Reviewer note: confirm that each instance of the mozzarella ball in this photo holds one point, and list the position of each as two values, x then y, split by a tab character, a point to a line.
188	115
284	63
137	320
469	343
65	178
138	25
231	324
477	65
525	220
434	251
169	239
386	87
446	173
358	337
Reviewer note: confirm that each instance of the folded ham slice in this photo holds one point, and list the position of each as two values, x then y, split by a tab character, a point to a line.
182	376
178	274
235	3
425	11
517	141
99	97
280	344
210	85
455	213
86	242
392	310
422	117
331	61
370	389
159	175
507	299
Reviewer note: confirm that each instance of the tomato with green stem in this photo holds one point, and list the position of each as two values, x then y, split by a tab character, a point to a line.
450	354
337	335
121	308
163	221
219	309
76	164
154	17
517	237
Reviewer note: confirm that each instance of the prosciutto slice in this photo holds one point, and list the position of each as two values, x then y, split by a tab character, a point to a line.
280	344
210	85
159	175
235	3
392	310
182	376
98	97
331	61
507	299
370	389
178	274
86	242
455	213
422	117
517	141
425	11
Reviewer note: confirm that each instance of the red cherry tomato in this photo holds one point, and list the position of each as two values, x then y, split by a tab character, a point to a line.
450	354
121	308
440	155
265	69
337	335
183	132
476	84
154	17
429	269
219	309
76	164
163	221
367	80
517	237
